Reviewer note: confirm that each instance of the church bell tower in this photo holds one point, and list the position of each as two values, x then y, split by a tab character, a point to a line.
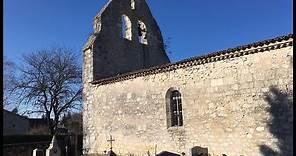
126	38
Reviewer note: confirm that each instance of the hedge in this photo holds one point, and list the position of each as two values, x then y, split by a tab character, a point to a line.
15	139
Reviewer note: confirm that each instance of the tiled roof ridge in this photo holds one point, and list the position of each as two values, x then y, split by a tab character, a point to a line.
238	51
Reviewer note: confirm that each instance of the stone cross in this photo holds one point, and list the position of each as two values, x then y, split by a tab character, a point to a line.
111	140
53	149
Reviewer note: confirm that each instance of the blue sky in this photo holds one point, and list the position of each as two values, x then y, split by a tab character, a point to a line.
195	27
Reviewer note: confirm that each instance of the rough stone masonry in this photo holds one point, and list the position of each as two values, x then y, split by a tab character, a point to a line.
227	97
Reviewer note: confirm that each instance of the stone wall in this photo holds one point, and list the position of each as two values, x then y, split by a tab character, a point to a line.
226	108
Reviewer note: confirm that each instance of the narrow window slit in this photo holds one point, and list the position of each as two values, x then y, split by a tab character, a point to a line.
126	27
174	108
142	33
133	4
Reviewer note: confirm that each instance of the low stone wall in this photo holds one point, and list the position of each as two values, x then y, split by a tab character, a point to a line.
23	149
24	145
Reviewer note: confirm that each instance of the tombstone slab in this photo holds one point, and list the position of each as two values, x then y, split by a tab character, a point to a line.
167	153
38	152
198	151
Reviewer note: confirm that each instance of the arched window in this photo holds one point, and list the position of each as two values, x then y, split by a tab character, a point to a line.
142	32
126	27
133	4
174	108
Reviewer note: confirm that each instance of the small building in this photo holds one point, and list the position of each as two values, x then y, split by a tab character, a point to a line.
15	124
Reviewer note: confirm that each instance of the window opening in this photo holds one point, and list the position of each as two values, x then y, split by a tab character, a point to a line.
142	32
133	4
126	27
176	109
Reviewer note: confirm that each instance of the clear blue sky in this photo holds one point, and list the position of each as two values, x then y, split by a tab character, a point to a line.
196	27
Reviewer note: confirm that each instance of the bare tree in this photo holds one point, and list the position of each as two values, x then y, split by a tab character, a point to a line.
8	78
50	82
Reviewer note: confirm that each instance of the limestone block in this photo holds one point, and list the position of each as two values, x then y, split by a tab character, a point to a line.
217	82
259	129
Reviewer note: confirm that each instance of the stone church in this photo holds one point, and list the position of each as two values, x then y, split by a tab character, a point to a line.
234	102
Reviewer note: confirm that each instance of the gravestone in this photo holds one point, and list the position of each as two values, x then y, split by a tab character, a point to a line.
38	152
167	153
198	151
111	153
53	149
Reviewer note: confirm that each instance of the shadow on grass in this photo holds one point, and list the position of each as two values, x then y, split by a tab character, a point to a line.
281	123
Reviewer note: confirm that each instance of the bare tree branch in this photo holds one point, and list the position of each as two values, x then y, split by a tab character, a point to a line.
8	79
51	83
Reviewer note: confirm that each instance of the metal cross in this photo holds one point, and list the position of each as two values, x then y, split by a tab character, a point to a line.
111	140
